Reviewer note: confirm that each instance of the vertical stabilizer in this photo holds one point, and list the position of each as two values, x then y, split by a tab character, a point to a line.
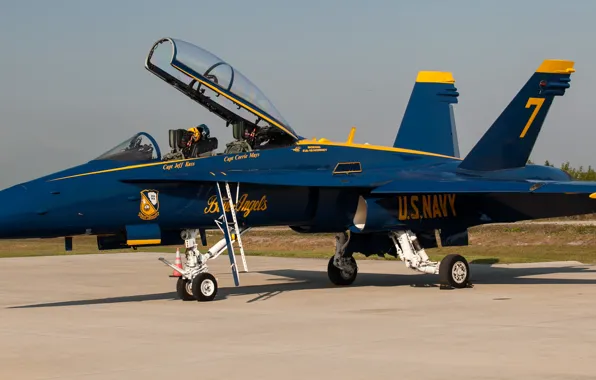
429	124
510	140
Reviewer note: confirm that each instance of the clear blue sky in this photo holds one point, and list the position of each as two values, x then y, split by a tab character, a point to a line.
72	81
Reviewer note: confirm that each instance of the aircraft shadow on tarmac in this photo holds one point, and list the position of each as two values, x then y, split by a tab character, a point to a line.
292	280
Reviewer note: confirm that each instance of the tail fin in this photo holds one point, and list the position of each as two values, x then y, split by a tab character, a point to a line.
428	122
510	140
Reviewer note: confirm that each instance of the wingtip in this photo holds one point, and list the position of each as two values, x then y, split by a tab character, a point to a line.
435	77
556	66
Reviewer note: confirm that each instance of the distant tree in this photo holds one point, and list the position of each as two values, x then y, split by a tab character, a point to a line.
579	173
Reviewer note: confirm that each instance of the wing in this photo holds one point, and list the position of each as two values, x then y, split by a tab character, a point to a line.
380	181
319	178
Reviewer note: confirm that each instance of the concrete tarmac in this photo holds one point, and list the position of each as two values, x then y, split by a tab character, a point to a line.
116	316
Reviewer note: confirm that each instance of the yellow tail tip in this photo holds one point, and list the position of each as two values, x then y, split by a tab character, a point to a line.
556	66
435	77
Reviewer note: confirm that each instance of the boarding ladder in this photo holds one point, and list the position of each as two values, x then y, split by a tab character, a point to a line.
227	227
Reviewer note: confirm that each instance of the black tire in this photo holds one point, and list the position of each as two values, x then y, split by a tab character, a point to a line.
338	277
182	291
454	271
204	287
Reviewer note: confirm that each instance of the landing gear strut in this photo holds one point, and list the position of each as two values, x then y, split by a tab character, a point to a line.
453	270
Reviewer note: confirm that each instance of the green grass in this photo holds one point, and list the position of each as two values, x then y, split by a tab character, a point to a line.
476	255
488	244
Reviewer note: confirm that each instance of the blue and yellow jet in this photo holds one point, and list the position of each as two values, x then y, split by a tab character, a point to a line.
377	199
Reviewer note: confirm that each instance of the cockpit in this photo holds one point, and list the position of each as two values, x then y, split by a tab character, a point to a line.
223	90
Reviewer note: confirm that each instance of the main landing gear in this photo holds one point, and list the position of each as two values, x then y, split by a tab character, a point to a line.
342	270
453	270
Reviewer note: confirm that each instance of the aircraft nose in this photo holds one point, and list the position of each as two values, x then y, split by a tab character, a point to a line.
15	211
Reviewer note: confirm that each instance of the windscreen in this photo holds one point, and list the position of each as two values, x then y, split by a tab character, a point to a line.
140	147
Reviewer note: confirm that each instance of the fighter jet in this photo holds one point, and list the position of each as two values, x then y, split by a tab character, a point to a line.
378	200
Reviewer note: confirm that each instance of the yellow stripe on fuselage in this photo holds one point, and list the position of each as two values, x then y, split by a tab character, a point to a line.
323	142
126	168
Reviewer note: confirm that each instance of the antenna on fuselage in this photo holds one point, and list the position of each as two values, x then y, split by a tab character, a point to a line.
351	136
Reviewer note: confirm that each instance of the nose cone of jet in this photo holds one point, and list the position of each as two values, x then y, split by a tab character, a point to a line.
16	212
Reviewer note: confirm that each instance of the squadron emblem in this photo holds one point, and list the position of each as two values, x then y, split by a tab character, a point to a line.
149	205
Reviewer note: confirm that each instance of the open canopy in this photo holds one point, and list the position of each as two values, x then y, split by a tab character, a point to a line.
214	84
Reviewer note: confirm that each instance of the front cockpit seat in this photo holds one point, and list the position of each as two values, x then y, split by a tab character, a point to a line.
202	148
176	140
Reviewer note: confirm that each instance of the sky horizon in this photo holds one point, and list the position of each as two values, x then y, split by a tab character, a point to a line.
74	83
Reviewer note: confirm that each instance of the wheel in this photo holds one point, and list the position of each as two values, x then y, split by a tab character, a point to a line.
454	271
184	289
340	277
204	287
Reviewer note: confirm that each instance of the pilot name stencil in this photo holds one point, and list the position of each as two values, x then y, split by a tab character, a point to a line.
426	206
242	156
312	149
178	165
244	205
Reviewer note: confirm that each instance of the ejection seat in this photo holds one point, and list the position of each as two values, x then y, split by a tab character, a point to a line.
179	138
239	144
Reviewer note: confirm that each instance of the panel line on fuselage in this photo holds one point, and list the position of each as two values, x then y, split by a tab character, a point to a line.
298	144
324	142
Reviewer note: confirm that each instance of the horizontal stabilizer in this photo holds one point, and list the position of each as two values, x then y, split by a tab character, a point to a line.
510	140
428	124
431	186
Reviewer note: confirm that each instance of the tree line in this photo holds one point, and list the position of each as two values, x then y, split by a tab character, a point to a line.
580	173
